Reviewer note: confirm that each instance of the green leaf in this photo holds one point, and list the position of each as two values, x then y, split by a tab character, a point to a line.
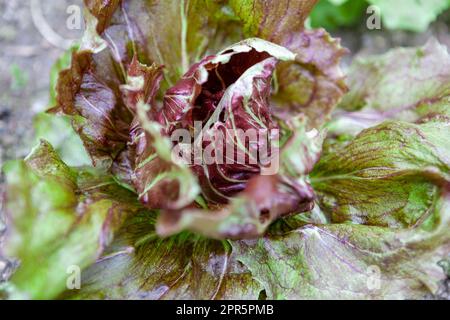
349	261
412	15
332	14
60	134
387	176
272	21
139	265
298	262
57	218
409	84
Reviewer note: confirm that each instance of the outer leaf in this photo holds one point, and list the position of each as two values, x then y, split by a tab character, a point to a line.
314	83
58	130
248	216
387	176
349	261
334	261
406	84
89	92
139	265
275	21
170	33
58	218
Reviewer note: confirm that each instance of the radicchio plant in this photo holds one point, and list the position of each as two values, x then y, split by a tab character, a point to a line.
126	128
142	224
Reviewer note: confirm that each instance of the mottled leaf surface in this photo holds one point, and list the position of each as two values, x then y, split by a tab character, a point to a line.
292	262
387	176
349	261
139	265
58	218
314	83
407	84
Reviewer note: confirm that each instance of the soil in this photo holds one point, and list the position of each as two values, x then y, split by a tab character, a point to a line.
26	57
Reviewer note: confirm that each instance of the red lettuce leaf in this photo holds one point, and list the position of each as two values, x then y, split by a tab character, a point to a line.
89	92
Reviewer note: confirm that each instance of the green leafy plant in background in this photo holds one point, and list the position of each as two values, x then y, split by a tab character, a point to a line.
410	15
332	14
360	207
19	78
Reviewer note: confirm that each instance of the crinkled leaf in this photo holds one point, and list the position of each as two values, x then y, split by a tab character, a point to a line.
386	176
275	21
324	261
313	84
349	261
142	85
226	94
160	181
139	265
147	161
58	218
58	130
206	82
170	33
144	28
407	84
89	92
265	199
